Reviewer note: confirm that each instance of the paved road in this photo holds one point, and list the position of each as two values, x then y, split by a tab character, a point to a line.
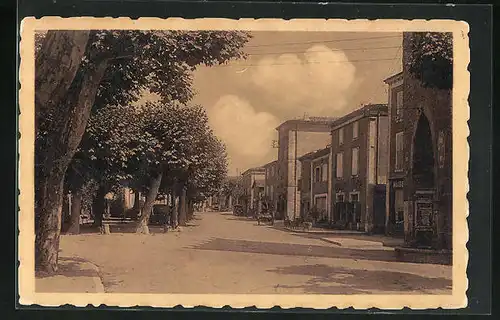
221	253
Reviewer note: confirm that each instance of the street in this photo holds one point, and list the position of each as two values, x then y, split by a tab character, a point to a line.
222	253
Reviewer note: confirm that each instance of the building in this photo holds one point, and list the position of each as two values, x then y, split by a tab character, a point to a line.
315	183
296	138
258	194
253	182
271	183
359	169
421	158
394	223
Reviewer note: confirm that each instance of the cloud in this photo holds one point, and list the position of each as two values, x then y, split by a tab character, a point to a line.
248	134
318	82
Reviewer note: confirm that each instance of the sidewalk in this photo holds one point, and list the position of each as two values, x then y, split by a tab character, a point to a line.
280	225
74	275
358	238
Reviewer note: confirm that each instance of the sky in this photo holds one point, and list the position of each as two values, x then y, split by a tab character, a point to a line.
289	75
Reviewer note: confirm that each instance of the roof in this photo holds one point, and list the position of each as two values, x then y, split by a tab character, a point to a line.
315	154
311	120
270	164
394	78
368	110
254	170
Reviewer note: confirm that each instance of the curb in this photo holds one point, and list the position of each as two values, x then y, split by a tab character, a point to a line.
325	232
97	278
331	241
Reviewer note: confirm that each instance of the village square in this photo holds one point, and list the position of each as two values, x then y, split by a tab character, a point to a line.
243	162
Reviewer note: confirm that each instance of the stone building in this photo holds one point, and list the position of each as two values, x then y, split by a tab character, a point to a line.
253	180
296	138
271	183
315	183
426	176
395	216
359	168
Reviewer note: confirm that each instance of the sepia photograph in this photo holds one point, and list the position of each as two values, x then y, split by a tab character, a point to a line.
314	163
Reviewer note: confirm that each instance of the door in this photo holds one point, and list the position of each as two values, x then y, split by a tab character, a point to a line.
379	209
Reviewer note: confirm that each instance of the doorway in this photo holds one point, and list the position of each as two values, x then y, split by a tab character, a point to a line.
423	155
423	181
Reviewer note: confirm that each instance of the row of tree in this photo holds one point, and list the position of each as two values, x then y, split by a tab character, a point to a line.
92	135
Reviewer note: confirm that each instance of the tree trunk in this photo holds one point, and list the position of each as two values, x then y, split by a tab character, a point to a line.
154	186
182	207
49	222
56	153
76	210
99	206
56	66
190	212
66	211
174	222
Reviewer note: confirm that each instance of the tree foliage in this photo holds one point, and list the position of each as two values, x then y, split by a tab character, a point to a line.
162	62
233	186
431	58
81	72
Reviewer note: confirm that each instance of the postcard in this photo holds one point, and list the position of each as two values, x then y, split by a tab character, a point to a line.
304	163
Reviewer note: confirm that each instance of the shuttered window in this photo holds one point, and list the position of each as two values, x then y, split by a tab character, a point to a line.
340	167
399	151
355	161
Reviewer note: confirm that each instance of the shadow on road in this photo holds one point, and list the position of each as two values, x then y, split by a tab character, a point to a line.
289	249
130	227
338	280
69	267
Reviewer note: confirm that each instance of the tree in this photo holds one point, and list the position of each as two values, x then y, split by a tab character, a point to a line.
431	58
208	175
175	128
233	186
79	70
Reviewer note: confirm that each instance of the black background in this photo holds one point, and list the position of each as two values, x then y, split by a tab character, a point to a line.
480	221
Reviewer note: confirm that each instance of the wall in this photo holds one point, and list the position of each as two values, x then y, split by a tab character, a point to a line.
383	154
436	105
306	142
395	177
350	183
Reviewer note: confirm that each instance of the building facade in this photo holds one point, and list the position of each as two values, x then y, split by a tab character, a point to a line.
427	160
271	183
315	185
296	138
359	169
395	217
253	179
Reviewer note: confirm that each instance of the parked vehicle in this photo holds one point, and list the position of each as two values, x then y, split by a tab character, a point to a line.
238	210
160	215
265	215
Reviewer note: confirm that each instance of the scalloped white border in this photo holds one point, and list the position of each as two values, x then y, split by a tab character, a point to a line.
457	299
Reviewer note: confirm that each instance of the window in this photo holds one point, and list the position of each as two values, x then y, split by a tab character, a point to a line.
324	172
399	151
321	203
355	130
399	105
341	136
340	197
340	167
355	161
317	174
354	197
399	204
